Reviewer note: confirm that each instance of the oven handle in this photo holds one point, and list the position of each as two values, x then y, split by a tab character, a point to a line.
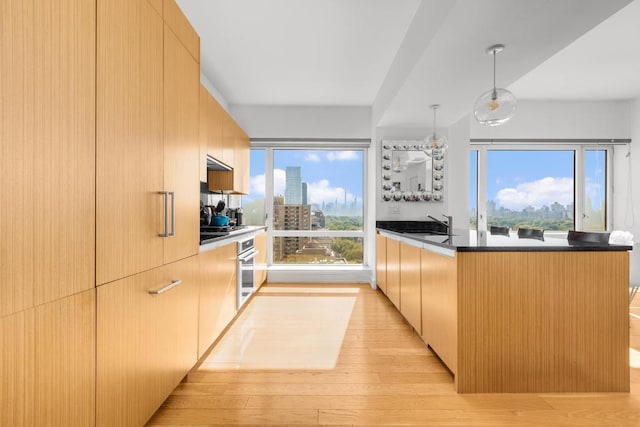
246	256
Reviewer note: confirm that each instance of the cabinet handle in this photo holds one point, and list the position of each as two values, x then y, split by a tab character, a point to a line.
165	288
166	214
173	213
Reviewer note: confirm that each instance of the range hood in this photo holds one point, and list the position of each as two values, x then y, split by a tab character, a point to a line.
216	165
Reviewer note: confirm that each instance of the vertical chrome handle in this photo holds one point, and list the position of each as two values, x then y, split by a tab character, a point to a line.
173	213
165	288
166	214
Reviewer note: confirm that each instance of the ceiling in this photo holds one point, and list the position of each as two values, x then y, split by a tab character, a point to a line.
400	56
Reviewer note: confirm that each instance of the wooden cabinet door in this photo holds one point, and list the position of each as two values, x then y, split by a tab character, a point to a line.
241	160
47	369
203	134
393	272
228	139
179	24
260	244
217	294
181	148
145	343
47	151
440	305
381	262
410	296
129	215
215	143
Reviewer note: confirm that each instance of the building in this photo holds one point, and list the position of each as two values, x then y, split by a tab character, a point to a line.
293	189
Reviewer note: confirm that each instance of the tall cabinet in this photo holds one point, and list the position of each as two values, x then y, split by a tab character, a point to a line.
148	91
47	186
147	140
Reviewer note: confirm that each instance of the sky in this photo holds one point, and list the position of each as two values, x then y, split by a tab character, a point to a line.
517	179
328	174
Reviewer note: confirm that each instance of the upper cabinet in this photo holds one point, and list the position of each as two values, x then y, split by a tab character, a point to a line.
47	146
181	148
147	141
175	19
241	178
130	151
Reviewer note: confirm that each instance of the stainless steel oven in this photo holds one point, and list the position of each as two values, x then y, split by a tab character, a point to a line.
246	270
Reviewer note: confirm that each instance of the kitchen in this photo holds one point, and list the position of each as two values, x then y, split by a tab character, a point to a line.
105	237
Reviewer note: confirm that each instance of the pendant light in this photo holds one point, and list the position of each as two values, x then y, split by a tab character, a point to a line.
496	106
436	144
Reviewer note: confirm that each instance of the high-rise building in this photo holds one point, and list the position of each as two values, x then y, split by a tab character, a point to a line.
304	194
290	217
293	186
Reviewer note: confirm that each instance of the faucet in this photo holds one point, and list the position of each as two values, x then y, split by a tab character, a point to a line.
448	224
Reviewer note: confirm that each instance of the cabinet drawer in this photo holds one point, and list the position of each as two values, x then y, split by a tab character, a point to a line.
146	342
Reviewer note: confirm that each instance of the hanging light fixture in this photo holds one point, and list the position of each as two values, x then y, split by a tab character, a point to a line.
436	144
496	106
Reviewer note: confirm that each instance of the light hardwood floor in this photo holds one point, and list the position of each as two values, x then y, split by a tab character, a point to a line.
343	355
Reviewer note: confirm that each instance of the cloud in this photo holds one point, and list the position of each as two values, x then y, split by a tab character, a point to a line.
322	191
279	182
544	191
257	185
342	155
312	157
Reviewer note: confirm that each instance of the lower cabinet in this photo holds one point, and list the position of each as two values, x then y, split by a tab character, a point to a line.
147	338
381	262
218	287
260	244
410	295
440	305
47	374
393	272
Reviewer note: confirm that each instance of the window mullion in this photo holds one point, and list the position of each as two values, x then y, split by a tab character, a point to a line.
579	189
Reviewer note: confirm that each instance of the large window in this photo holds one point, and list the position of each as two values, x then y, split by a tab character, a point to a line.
556	188
313	202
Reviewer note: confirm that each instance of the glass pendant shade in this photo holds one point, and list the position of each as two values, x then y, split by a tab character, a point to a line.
436	143
495	107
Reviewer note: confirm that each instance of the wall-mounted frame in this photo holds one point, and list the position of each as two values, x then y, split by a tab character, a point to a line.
411	172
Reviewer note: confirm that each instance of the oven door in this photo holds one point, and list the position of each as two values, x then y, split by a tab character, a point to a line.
246	275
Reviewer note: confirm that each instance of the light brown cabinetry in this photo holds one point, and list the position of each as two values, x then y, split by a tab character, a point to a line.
181	146
381	262
147	141
260	244
440	305
146	343
47	364
47	151
129	133
179	24
242	150
393	272
410	295
218	288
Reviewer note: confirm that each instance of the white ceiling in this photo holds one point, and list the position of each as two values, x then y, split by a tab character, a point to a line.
400	56
298	52
603	64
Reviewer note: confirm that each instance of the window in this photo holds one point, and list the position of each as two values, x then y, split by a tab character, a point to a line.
555	188
315	203
253	205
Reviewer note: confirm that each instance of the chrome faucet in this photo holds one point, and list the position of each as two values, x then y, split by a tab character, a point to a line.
448	224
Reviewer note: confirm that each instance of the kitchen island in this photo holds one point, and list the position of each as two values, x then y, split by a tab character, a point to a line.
514	315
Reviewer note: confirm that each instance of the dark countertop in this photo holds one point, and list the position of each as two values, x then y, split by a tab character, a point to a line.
233	236
473	241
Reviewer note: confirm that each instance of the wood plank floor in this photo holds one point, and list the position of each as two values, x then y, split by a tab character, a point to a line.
343	355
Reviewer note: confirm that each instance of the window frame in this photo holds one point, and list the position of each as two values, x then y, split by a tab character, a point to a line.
579	177
270	146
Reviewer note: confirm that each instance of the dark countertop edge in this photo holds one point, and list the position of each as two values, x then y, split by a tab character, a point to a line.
231	237
584	247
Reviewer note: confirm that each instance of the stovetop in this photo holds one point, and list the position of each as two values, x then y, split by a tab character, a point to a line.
210	232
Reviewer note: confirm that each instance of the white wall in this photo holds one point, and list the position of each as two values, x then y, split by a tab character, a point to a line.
626	192
303	122
562	119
